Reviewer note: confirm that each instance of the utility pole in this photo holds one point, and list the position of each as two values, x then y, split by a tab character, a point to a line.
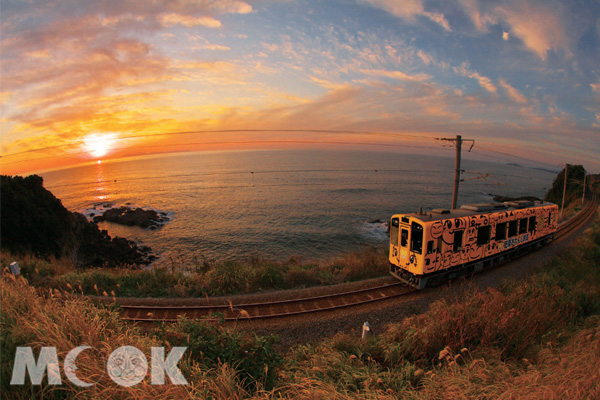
564	191
458	141
583	196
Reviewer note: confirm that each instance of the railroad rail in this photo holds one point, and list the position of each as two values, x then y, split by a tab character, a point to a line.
581	217
266	310
284	308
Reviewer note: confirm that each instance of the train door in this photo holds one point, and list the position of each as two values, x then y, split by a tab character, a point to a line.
399	241
404	243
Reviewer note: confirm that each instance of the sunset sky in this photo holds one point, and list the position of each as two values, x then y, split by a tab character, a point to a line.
83	80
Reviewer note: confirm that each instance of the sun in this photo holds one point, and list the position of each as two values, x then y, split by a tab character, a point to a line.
98	145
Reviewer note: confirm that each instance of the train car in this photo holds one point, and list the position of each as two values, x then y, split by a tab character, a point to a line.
427	248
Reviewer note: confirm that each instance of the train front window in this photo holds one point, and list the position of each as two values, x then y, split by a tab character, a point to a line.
404	238
394	227
416	239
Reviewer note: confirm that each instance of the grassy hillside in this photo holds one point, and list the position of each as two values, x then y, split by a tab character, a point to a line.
538	338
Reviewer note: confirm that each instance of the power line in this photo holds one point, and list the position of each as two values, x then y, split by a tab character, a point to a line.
177	133
512	156
230	143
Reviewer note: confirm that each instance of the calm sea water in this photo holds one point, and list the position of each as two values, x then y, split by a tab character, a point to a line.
313	204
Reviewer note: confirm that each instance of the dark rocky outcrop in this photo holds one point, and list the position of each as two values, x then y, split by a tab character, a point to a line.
148	219
34	221
98	249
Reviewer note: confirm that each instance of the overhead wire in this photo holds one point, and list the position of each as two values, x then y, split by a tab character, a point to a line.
214	143
176	133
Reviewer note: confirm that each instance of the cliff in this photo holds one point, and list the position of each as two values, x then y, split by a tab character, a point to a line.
34	221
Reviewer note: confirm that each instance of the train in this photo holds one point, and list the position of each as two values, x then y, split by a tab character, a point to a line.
428	248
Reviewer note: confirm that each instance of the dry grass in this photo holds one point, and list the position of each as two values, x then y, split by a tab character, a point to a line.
570	371
29	319
253	274
534	339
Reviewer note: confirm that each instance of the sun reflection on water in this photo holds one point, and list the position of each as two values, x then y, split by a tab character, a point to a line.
100	193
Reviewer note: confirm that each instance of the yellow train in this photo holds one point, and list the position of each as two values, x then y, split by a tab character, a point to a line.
426	248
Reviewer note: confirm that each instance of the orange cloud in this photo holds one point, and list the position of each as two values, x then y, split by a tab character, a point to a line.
538	24
409	9
189	21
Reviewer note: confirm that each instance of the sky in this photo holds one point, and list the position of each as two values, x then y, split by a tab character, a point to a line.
87	80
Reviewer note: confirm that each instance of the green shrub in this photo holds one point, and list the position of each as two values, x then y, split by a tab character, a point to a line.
211	344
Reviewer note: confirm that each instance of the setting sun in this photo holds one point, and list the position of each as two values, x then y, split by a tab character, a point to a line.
98	145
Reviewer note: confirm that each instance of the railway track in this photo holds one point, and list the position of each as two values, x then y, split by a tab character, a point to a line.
284	308
267	310
573	223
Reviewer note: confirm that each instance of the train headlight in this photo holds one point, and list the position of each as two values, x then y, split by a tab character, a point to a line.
412	258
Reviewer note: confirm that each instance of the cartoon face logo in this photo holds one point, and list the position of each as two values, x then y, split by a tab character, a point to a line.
127	366
471	235
437	229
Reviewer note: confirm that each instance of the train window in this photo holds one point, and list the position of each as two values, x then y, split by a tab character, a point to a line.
512	228
404	238
550	219
440	245
416	238
430	247
501	231
522	225
483	235
532	224
394	228
458	238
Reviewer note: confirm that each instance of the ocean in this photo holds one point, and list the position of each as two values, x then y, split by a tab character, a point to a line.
313	204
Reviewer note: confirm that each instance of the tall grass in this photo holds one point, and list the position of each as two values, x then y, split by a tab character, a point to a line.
31	319
203	278
219	363
523	340
538	338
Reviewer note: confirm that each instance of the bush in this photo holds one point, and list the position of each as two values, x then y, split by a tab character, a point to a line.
211	345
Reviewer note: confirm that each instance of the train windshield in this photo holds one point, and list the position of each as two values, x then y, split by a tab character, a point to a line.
394	226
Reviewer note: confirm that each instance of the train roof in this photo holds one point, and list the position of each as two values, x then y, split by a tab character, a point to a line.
468	210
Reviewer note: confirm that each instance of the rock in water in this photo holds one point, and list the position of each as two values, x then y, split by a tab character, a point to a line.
147	219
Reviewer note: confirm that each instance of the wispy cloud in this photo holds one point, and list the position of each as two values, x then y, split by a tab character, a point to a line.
398	75
483	81
188	21
512	93
409	10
